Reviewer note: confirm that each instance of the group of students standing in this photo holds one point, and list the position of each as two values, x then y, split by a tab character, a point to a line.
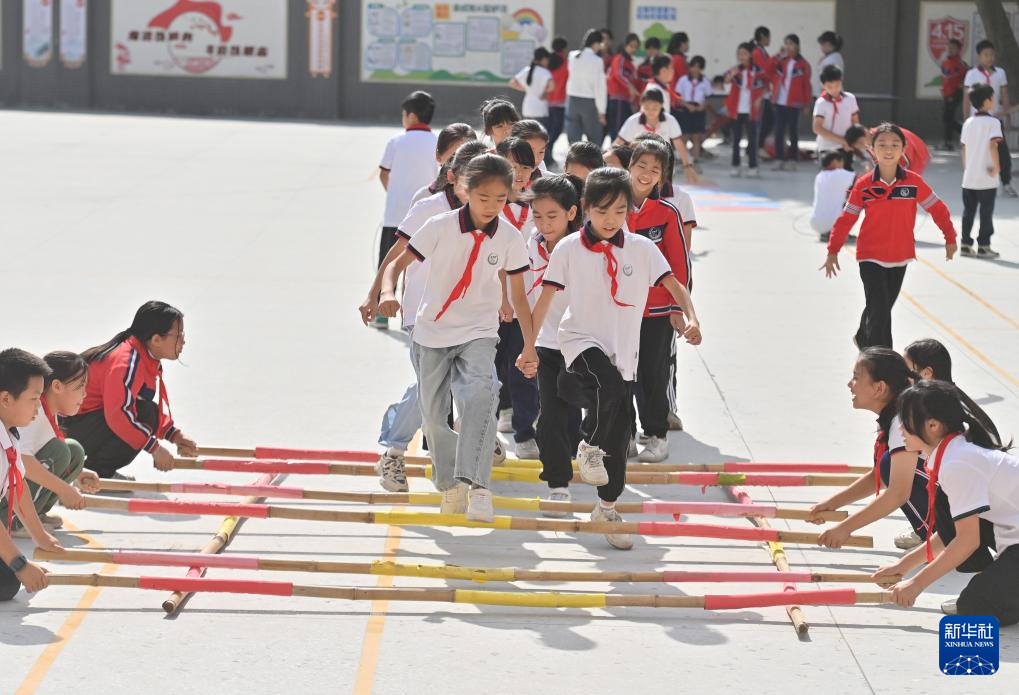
69	420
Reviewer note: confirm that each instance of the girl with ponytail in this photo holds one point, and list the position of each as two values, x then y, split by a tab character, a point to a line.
126	409
536	82
980	482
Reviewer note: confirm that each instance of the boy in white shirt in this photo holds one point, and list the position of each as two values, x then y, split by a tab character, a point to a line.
980	138
407	164
831	185
986	72
22	376
834	112
606	273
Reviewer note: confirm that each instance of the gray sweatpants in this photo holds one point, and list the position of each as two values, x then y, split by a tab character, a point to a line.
582	119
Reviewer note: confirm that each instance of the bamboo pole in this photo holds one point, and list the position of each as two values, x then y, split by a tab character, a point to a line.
395	569
433	498
514	523
262	454
489	598
226	533
522	475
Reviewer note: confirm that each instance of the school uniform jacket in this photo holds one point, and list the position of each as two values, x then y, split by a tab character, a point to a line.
660	222
953	71
799	85
886	236
115	385
622	77
758	85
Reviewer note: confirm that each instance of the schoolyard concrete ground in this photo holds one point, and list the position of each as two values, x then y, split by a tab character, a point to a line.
263	233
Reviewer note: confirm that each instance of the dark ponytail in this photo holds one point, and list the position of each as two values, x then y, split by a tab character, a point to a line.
540	53
65	366
942	401
152	318
884	364
454	132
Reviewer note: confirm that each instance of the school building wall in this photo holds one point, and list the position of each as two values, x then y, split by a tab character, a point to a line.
881	42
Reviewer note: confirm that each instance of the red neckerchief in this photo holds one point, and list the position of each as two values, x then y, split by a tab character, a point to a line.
880	449
461	287
611	264
835	104
516	222
541	271
15	484
986	73
53	420
419	126
932	488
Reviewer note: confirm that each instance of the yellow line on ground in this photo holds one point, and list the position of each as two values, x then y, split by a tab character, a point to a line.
990	307
372	642
63	635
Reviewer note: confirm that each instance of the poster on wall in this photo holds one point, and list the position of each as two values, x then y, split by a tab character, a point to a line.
72	32
320	14
717	27
37	16
940	22
199	38
451	42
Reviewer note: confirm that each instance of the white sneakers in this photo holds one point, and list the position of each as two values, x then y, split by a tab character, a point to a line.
950	607
392	472
907	539
527	450
557	494
657	449
619	541
505	421
454	500
631	450
499	455
590	461
479	505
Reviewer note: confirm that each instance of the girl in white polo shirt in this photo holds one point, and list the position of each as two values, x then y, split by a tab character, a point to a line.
457	327
606	273
981	481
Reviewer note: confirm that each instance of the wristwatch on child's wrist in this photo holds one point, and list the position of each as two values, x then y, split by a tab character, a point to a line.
17	564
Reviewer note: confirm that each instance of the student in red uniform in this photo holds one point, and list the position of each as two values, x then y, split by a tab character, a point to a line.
652	47
457	328
606	273
886	245
679	44
497	119
22	376
790	95
765	67
555	202
953	72
980	481
745	105
126	409
560	69
622	85
660	222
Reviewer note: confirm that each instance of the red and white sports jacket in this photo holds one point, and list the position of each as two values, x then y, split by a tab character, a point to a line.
758	85
622	76
799	84
886	235
661	222
115	385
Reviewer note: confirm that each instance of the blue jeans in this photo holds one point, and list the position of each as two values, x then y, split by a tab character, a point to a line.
521	392
469	371
402	419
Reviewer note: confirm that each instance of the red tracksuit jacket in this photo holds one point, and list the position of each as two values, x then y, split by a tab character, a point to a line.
758	84
799	85
661	222
622	76
886	235
953	72
117	382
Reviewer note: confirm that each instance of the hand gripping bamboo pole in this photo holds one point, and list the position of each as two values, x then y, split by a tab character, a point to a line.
522	475
410	518
433	498
489	598
477	574
226	533
262	453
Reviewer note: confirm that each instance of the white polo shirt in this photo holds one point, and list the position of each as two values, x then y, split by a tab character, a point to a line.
636	125
831	187
9	440
548	332
37	435
447	240
587	78
534	106
681	200
592	318
980	132
410	160
984	482
996	77
693	92
414	276
838	116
